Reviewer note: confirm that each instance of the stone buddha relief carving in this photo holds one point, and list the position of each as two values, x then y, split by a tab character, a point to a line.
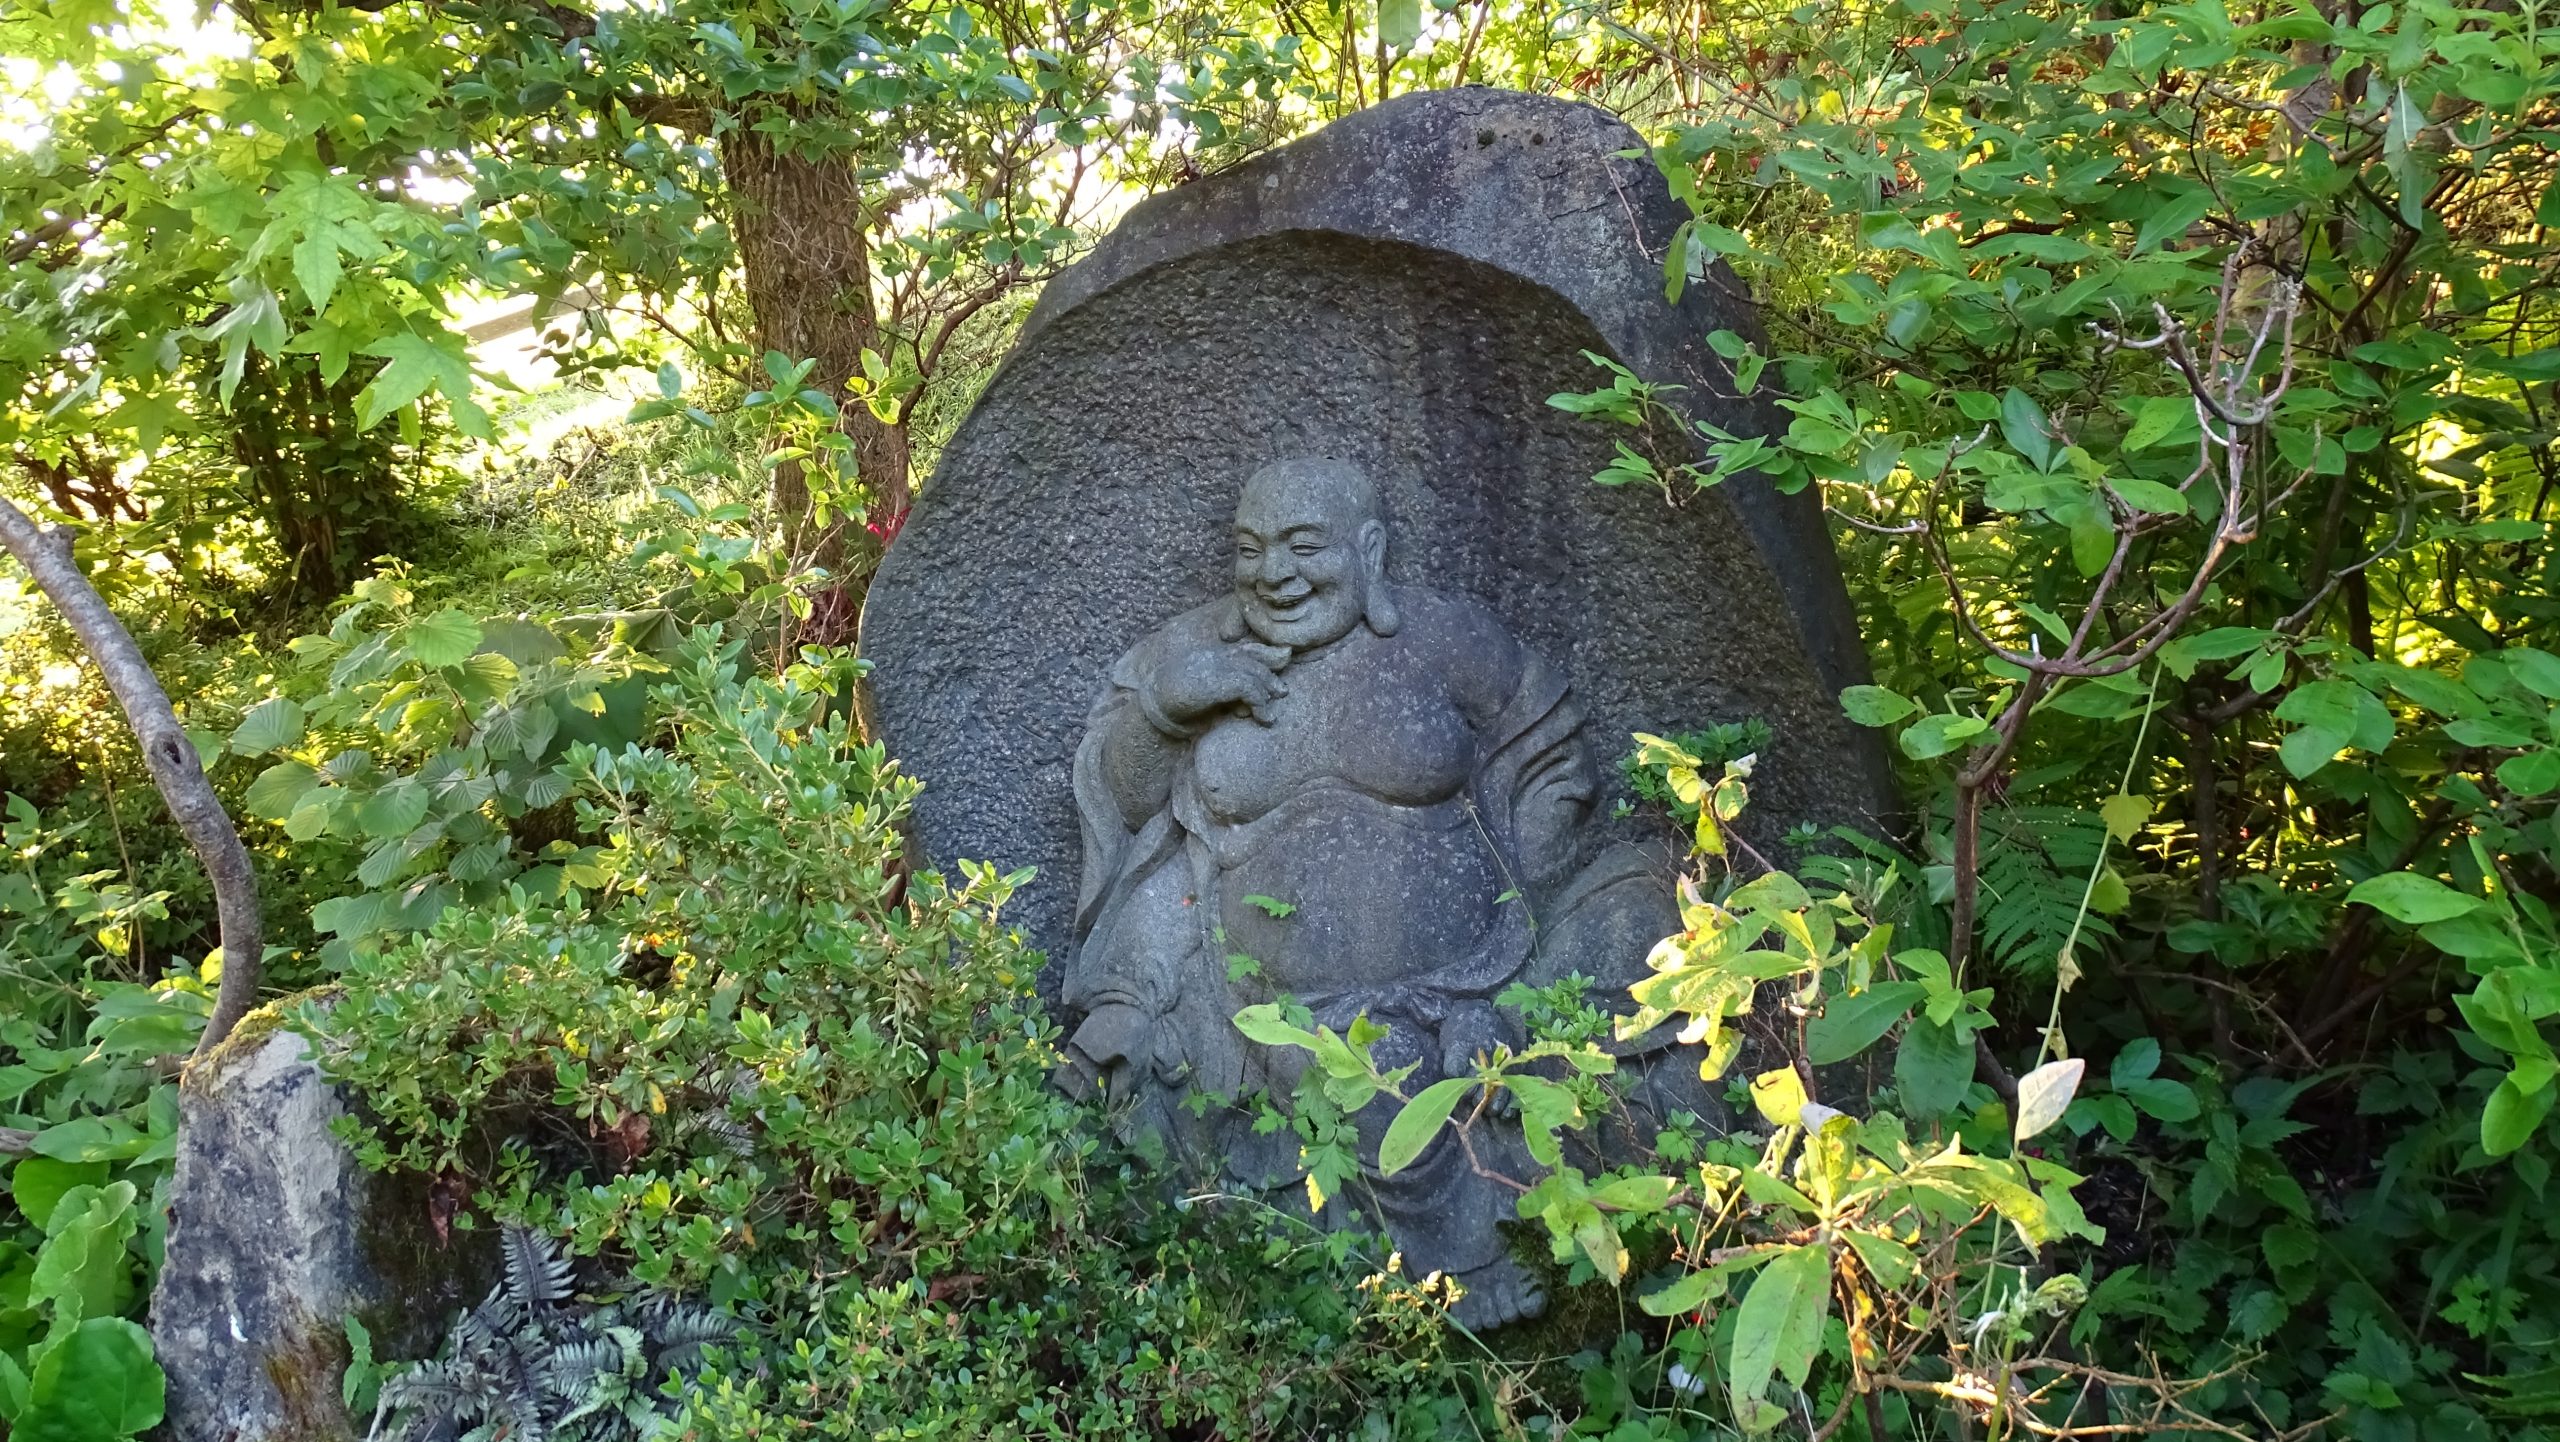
1411	785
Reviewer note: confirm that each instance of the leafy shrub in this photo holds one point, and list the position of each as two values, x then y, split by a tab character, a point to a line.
754	1056
89	1099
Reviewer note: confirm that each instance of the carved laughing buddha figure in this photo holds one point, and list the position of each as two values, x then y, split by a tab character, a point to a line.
1360	796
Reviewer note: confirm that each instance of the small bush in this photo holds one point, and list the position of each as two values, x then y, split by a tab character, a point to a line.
756	1058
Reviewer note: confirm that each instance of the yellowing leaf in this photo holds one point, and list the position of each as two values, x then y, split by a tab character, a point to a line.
1779	1095
2043	1095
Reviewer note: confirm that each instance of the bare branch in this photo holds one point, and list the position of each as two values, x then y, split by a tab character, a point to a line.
166	750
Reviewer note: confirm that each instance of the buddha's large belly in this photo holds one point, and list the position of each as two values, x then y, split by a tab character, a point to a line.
1374	892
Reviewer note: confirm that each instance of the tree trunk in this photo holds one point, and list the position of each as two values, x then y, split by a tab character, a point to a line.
804	240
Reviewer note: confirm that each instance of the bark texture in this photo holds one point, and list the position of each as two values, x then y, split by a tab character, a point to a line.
803	238
46	553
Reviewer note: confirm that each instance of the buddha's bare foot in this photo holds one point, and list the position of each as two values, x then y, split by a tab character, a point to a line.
1497	1294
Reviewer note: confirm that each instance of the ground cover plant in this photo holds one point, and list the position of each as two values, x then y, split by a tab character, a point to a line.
2180	381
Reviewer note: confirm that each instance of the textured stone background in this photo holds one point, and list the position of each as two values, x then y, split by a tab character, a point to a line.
1088	495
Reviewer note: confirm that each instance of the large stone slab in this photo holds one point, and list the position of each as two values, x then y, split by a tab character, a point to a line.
1401	291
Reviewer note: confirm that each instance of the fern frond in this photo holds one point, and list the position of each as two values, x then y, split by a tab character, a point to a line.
537	1270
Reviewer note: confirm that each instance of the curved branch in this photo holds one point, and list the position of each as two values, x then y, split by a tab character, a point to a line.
166	750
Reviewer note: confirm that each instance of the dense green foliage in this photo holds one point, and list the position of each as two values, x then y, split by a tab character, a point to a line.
2180	377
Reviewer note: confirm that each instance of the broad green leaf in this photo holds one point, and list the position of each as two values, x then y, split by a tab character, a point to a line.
1778	1329
1545	1109
1399	23
418	364
1933	1068
1643	1195
1876	706
2150	496
1419	1122
2158	418
1850	1024
38	1183
100	1383
280	790
1940	732
2124	814
1263	1024
2409	897
395	810
2024	426
2532	774
1890	1261
2538	671
446	638
2513	1115
2171	216
270	725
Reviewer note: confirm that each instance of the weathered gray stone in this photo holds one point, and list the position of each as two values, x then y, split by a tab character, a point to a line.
1402	290
1385	801
1085	646
276	1236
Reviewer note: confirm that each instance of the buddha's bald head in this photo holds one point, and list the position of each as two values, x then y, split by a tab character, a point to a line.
1311	553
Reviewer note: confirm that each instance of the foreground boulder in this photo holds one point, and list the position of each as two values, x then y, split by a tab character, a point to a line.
276	1236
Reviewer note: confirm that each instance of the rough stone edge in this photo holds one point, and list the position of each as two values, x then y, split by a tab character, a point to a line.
403	1288
1400	172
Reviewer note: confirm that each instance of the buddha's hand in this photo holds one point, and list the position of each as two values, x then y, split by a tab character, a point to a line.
1192	685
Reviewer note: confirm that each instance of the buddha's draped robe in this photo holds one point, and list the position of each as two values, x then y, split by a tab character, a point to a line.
1417	808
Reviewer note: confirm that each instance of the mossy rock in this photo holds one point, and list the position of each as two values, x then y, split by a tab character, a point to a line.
277	1235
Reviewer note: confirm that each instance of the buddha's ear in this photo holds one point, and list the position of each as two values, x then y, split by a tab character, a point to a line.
1380	613
1230	619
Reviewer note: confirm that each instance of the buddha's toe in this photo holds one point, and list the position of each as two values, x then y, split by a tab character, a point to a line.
1496	1295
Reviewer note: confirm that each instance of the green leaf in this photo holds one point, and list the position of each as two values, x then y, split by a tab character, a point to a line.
2532	774
1940	732
2406	896
2513	1114
1891	1262
39	1183
395	810
315	265
2537	671
280	790
1688	1294
446	638
2172	216
100	1383
2124	815
2024	426
1399	23
2150	496
417	364
1933	1068
1850	1024
1545	1109
1263	1024
2158	417
1421	1120
1643	1195
1876	706
270	725
1778	1331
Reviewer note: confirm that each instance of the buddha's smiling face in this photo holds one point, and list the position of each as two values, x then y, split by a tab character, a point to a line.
1309	545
